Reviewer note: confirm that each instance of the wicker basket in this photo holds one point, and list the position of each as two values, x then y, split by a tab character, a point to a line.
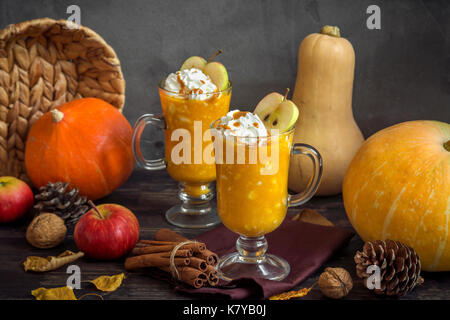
43	64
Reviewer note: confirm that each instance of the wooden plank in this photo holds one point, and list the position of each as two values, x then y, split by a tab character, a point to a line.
149	195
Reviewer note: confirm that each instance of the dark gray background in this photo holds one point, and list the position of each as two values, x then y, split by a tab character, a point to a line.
402	71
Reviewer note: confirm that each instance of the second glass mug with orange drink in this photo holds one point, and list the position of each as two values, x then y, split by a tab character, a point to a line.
191	99
252	183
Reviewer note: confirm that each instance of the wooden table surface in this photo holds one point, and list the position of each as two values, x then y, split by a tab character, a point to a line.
149	195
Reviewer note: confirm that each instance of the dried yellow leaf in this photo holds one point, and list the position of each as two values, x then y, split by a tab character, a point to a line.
108	283
61	293
312	216
41	264
291	294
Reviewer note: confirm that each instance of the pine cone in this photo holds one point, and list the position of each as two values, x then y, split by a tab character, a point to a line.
54	198
399	266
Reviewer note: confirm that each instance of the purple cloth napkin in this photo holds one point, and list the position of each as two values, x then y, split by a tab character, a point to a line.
305	246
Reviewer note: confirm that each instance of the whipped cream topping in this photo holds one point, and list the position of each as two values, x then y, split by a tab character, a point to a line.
242	124
192	82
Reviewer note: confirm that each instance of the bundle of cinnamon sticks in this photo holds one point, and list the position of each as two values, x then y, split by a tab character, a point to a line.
190	262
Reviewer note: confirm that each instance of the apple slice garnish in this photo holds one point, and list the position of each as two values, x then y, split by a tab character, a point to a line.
277	112
215	70
284	117
218	74
194	62
268	105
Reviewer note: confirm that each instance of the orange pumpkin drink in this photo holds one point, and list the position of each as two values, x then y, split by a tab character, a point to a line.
195	116
252	193
191	99
252	153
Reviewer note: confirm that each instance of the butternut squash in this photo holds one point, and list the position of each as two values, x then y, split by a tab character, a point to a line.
323	94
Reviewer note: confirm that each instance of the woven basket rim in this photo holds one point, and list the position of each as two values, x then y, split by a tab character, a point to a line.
44	24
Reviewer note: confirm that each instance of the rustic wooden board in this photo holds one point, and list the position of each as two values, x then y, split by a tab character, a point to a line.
149	195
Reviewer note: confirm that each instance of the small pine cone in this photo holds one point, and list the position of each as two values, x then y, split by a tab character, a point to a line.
55	198
399	266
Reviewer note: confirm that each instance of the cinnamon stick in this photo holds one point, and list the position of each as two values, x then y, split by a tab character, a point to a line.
153	260
210	257
141	245
164	234
157	243
196	246
198	263
210	269
191	276
162	249
178	254
211	274
213	279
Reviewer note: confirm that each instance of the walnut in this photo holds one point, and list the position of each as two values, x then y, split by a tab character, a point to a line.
47	230
335	283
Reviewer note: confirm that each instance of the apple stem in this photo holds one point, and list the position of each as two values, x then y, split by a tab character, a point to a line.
214	55
95	209
285	95
447	146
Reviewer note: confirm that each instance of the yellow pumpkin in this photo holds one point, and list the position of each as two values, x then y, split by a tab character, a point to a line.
398	187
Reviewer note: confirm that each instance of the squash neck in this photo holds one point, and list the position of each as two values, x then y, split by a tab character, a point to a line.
57	115
331	31
447	145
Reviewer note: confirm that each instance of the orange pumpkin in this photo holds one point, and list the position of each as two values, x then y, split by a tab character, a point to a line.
398	187
86	143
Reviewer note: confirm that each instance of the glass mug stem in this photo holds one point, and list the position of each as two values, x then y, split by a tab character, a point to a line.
196	210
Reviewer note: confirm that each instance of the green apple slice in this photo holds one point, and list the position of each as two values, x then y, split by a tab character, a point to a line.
218	74
268	105
284	117
194	62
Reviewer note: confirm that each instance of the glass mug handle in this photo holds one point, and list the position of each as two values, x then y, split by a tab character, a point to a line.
313	184
158	122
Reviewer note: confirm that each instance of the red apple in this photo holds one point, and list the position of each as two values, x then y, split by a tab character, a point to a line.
16	198
107	232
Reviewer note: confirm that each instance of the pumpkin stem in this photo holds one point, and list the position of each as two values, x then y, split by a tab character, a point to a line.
95	209
447	146
57	115
285	95
331	31
214	55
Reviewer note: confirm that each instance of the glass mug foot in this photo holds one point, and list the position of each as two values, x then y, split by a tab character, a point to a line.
185	218
197	210
251	260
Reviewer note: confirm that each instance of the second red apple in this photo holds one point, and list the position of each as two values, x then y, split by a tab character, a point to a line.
107	232
16	198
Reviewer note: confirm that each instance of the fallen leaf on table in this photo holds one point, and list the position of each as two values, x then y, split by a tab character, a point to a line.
312	216
41	264
108	283
61	293
292	294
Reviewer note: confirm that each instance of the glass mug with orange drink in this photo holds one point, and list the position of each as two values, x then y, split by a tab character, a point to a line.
252	189
191	99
